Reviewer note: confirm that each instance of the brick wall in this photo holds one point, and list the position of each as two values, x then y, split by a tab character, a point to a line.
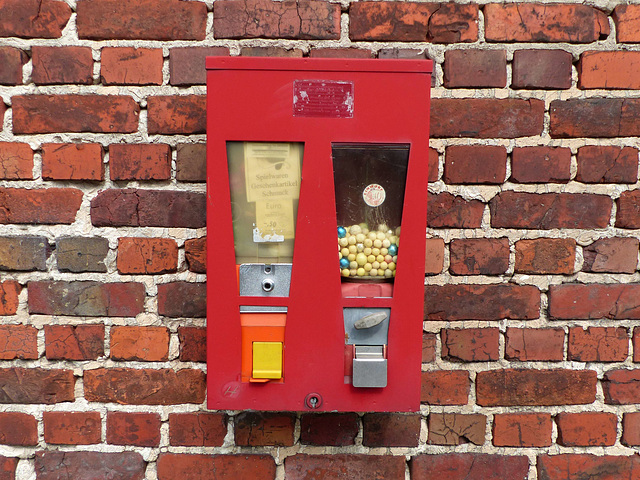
532	290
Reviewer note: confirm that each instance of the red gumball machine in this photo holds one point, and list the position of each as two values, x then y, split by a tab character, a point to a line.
316	217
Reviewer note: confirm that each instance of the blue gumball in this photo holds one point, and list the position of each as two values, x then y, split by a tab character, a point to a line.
393	249
344	263
342	232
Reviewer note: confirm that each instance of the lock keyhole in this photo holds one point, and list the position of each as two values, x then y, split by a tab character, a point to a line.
313	401
268	285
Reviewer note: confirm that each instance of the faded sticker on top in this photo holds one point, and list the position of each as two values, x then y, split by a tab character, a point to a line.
323	98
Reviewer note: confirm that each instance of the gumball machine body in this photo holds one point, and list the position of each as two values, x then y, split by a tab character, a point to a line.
317	191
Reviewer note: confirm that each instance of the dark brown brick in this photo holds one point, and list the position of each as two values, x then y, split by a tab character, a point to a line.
16	159
583	117
413	22
148	208
140	161
19	429
199	467
580	466
74	342
522	430
195	251
471	344
90	299
144	386
546	256
72	428
445	387
131	66
525	22
191	162
182	299
456	428
475	164
139	429
486	117
18	341
62	65
390	430
594	301
627	20
55	465
33	18
254	429
41	205
546	211
72	161
193	344
475	68
428	347
534	344
628	215
331	429
598	344
9	291
36	385
308	20
74	113
481	302
82	254
607	164
510	387
615	255
588	429
540	165
271	52
450	211
546	69
142	19
186	64
24	253
301	466
197	429
467	466
12	59
479	256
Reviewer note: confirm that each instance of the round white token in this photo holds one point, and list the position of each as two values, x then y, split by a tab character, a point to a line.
374	195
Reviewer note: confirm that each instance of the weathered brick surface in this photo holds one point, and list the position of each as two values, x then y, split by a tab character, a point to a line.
195	251
340	53
24	253
264	428
621	387
81	465
271	52
74	342
42	205
82	254
199	467
140	162
598	344
452	211
143	19
302	466
34	385
627	19
131	66
598	164
390	430
522	430
636	344
61	65
147	255
72	161
186	64
141	429
534	344
471	345
149	344
535	387
434	256
583	117
18	341
545	255
475	68
578	466
471	164
587	429
610	70
456	428
576	301
461	466
617	255
9	291
445	387
16	160
544	69
332	429
479	256
33	18
72	428
428	347
191	162
197	429
173	115
193	344
631	429
540	165
19	429
12	59
182	299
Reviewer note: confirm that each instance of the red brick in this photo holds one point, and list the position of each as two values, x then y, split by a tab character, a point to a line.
475	164
621	387
636	344
193	344
42	205
390	430
481	302
540	165
12	59
254	429
524	22
147	255
144	386
74	342
445	387
589	429
471	344
191	162
3	108
581	466
149	344
534	344
607	164
546	256
309	20
631	429
340	53
451	211
139	429
467	466
271	52
594	301
140	162
9	291
8	467
16	161
610	70
171	115
331	429
434	256
74	113
510	387
628	205
86	299
479	256
72	161
475	68
200	467
195	251
18	429
339	466
197	429
413	22
583	117
486	117
24	253
18	341
627	20
72	428
546	69
131	66
546	211
434	163
615	255
522	430
141	20
70	465
598	344
148	208
428	347
456	428
36	385
186	64
62	65
182	299
33	18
